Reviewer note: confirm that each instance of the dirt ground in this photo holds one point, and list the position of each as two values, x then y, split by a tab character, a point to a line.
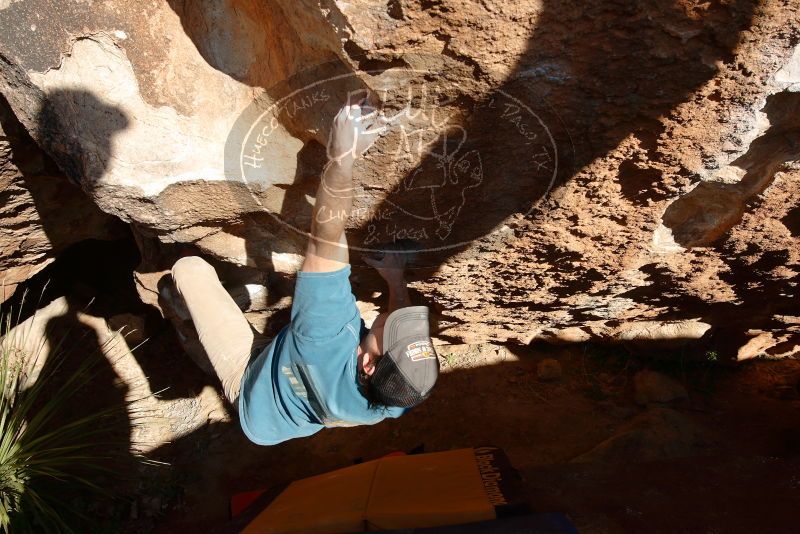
725	459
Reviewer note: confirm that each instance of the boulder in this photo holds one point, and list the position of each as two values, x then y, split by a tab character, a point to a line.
772	345
656	434
571	171
548	370
42	212
651	386
62	330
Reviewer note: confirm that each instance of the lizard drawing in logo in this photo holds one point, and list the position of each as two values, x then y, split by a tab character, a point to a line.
436	190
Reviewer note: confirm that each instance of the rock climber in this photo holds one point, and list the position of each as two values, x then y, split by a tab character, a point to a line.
324	369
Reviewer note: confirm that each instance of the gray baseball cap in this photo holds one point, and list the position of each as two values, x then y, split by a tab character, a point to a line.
408	370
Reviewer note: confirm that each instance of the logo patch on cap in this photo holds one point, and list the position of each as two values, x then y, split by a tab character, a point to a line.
420	350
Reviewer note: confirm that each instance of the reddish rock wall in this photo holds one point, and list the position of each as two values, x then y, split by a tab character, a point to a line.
617	170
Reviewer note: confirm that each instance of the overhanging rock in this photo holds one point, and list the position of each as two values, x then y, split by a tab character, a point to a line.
569	169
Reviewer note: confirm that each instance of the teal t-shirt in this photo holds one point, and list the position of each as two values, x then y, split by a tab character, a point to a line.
306	379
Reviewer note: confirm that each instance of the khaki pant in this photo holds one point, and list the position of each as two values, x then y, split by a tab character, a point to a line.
224	333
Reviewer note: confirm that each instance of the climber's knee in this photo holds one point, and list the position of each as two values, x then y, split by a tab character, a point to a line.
188	265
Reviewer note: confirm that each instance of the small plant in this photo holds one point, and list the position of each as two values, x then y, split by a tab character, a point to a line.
46	456
711	355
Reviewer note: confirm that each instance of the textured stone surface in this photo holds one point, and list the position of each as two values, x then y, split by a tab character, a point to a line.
669	128
656	434
58	329
41	211
651	386
548	370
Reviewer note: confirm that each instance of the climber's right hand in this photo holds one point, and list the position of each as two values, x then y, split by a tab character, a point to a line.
355	128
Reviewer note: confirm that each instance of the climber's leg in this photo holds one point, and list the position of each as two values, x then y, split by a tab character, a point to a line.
222	329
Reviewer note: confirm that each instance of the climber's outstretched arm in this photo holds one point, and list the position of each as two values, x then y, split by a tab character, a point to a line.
352	133
327	245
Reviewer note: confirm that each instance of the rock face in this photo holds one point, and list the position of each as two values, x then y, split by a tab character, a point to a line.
651	386
617	171
548	370
42	212
655	434
62	329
